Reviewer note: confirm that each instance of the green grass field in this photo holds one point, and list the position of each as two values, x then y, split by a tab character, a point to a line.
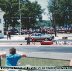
40	62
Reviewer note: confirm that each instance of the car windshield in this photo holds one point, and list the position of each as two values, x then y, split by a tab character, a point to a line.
36	34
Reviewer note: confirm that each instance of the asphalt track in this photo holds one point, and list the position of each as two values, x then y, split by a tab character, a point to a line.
39	48
41	51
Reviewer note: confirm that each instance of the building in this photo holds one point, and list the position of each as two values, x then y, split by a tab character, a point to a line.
1	24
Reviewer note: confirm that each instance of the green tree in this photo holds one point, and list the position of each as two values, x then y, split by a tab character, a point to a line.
61	11
30	11
53	9
10	7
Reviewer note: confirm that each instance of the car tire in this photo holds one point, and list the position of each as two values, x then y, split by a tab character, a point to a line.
49	39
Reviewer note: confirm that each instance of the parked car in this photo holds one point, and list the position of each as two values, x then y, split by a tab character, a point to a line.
14	31
40	37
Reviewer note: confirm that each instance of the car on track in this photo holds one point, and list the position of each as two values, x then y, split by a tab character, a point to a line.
46	42
40	37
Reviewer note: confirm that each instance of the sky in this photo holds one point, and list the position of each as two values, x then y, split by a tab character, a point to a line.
44	4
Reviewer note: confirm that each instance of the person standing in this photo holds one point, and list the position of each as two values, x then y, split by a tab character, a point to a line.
33	41
28	40
8	35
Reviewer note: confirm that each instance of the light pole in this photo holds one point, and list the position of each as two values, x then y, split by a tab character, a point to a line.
20	17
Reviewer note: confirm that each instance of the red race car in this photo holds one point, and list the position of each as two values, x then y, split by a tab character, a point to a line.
46	42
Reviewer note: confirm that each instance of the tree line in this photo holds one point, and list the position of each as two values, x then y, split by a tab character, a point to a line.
61	12
30	11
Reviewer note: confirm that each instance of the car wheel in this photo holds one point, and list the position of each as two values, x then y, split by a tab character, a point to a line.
46	39
52	37
49	39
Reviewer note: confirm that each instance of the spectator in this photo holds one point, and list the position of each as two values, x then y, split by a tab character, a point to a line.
28	40
33	41
12	58
8	35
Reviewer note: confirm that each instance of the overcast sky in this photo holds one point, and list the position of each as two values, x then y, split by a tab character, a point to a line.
44	4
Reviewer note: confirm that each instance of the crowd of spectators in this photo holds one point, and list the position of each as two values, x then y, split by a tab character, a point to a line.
48	30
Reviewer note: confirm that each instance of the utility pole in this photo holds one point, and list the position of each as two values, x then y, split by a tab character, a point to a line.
54	25
20	17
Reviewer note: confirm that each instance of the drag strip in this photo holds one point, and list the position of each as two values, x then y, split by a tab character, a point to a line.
39	48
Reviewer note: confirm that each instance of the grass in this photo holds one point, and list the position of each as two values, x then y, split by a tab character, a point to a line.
40	62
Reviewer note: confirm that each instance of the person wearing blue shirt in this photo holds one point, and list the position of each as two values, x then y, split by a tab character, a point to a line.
12	58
